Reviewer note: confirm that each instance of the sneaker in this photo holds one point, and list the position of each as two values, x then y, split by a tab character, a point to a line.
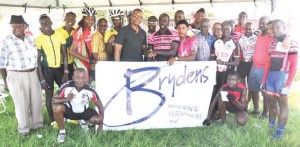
84	125
61	137
219	121
54	125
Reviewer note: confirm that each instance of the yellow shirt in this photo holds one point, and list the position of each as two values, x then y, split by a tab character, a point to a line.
108	33
50	47
68	38
98	46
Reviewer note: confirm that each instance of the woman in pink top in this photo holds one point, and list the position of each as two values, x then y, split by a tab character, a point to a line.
187	48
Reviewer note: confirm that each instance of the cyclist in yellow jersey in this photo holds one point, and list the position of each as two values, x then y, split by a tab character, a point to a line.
110	35
50	45
67	31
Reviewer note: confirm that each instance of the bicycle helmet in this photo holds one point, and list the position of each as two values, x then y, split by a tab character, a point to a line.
116	13
89	11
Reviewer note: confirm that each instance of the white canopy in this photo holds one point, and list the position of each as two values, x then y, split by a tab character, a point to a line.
109	3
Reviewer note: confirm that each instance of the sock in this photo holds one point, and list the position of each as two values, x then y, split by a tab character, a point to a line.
62	131
279	131
272	122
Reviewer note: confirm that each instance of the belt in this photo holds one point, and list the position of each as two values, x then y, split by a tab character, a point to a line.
26	70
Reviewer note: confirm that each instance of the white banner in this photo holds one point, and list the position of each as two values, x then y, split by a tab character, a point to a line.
143	95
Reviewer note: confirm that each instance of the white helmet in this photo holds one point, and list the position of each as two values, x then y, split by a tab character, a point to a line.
116	12
89	11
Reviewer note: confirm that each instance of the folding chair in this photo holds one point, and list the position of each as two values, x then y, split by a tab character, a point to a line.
2	104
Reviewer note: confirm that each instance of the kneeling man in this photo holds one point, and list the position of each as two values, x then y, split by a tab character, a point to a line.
234	101
72	102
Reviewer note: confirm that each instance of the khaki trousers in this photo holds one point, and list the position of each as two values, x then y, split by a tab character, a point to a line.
26	93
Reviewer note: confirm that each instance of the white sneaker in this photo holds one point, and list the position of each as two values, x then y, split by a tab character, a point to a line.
61	137
84	125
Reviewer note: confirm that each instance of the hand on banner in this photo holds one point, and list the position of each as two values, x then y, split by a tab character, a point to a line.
171	60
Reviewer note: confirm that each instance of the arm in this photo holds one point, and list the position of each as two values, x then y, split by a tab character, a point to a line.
43	82
234	63
213	104
64	52
4	75
293	59
242	103
95	46
118	48
190	57
58	100
74	52
108	45
100	107
171	52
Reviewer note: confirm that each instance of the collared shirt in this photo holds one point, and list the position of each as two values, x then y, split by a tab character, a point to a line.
132	43
186	46
162	42
17	54
69	40
225	52
50	46
247	46
98	46
108	33
205	46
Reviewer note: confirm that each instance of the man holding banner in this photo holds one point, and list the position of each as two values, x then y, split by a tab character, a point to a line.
130	43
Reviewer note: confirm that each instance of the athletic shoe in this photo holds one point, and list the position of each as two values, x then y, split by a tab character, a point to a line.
61	137
84	125
54	125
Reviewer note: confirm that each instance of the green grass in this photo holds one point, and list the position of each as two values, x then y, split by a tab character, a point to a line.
255	133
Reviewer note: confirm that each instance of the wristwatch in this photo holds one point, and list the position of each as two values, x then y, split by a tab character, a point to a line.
176	58
66	71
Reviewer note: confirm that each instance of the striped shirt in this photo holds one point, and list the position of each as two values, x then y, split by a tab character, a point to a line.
17	54
163	41
279	56
98	46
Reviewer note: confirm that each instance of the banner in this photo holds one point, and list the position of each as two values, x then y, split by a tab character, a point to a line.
144	95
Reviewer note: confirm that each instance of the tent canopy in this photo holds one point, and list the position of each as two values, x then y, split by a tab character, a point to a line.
109	3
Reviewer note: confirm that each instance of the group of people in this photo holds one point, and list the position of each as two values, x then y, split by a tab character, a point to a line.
267	58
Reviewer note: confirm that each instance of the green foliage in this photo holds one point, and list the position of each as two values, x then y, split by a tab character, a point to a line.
255	133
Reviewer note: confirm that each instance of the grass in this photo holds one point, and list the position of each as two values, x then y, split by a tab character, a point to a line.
255	133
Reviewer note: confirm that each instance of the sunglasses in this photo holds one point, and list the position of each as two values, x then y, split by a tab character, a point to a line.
154	23
136	16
